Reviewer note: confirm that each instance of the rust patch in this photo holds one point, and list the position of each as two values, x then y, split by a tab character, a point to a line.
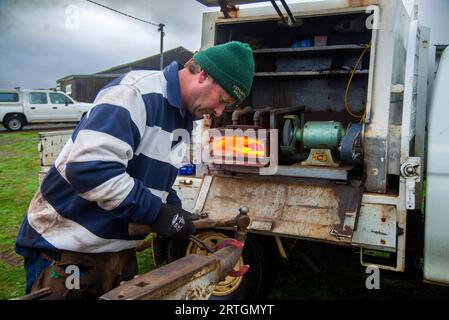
386	213
349	200
198	292
347	230
263	219
229	11
234	12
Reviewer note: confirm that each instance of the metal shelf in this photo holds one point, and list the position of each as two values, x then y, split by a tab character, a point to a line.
349	47
309	73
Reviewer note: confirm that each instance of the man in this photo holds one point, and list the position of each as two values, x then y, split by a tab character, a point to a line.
119	168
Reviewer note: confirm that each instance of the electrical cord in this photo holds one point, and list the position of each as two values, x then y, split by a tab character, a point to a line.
362	117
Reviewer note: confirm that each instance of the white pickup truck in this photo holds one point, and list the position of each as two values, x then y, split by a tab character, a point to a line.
20	107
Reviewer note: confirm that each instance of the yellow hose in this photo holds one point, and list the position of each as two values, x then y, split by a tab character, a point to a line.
348	108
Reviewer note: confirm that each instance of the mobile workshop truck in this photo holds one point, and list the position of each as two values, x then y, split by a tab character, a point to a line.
347	85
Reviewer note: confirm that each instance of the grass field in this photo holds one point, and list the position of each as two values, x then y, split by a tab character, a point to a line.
19	167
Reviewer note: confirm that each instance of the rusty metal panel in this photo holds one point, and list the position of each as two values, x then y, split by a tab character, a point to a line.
325	212
376	227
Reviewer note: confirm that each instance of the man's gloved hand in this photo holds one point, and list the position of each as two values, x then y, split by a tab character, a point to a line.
174	222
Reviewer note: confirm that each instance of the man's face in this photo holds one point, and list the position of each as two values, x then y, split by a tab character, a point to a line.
208	98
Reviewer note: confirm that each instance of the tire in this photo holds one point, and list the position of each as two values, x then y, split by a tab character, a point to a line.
254	285
14	122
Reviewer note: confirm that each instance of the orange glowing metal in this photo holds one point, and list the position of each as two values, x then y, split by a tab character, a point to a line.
238	146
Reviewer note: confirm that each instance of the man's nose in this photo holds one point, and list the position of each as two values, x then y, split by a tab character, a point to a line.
218	111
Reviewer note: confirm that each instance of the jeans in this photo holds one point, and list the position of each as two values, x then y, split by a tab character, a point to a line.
33	269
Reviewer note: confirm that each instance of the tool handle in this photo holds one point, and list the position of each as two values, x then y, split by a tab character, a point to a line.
208	223
138	228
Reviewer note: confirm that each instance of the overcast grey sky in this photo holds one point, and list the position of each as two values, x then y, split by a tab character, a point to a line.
44	40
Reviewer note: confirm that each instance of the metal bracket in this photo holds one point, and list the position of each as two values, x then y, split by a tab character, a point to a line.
227	8
338	235
201	199
411	172
290	21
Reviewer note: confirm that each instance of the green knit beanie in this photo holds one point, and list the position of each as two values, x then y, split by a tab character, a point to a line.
231	65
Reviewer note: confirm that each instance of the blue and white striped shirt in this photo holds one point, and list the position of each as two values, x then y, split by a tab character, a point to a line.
118	167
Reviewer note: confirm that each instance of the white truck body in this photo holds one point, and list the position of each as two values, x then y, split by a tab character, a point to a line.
18	107
395	90
436	240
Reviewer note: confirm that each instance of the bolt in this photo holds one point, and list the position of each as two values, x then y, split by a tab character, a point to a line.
410	170
242	221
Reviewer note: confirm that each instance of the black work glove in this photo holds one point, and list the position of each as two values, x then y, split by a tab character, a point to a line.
174	222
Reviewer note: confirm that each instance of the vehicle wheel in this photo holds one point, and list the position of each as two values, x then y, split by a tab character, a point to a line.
253	285
14	123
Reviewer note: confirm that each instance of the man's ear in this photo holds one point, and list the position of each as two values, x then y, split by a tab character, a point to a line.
202	76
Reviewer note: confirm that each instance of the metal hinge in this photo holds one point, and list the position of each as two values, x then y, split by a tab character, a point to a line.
411	172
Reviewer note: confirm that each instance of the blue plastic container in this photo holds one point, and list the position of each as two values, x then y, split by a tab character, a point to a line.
187	169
